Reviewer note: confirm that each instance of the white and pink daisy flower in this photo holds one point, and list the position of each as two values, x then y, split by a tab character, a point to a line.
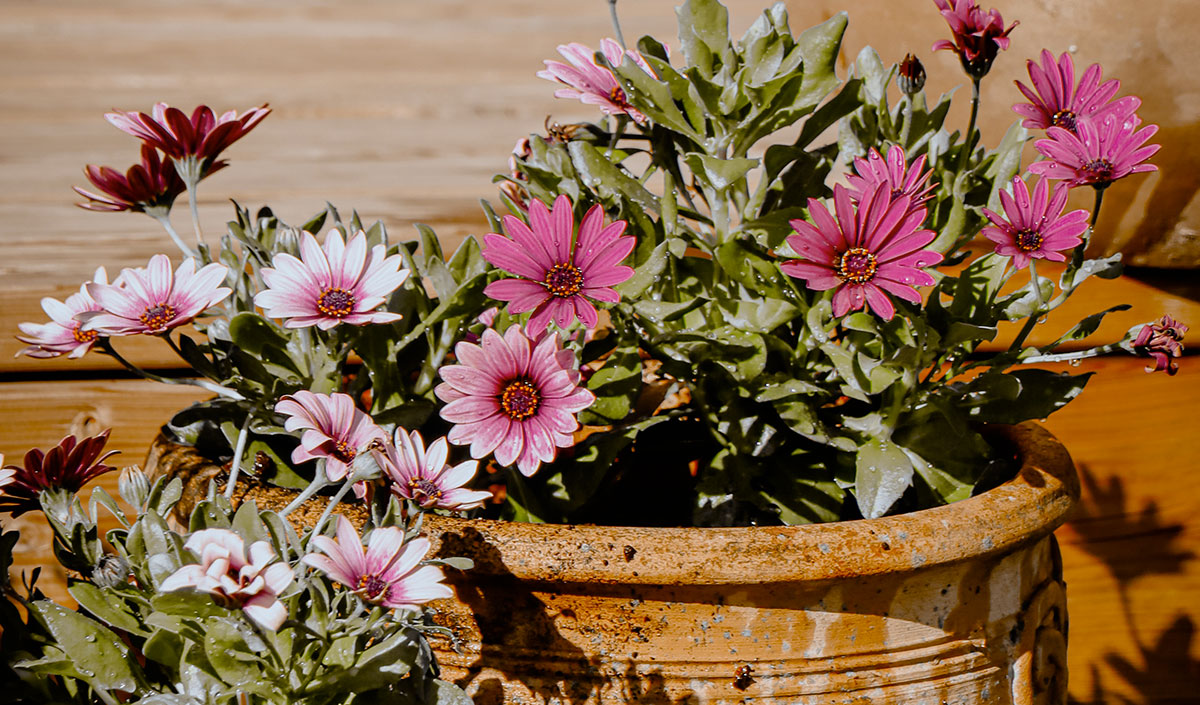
152	300
558	275
331	284
334	429
513	397
866	253
422	475
1035	228
251	580
387	572
62	334
592	83
900	178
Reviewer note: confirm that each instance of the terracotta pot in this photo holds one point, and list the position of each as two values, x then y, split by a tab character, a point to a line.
959	604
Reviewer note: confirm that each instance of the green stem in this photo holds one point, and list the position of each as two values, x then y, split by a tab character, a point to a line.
1075	355
1037	311
165	221
1096	208
236	466
341	493
908	118
106	347
617	133
969	141
320	480
616	22
195	214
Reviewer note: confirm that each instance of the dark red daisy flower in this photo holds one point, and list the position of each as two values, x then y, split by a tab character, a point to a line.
69	466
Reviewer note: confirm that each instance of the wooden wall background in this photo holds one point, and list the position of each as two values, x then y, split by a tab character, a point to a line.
404	109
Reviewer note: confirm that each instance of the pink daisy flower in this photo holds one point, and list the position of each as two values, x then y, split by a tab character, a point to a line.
978	36
558	273
387	572
334	429
152	300
150	187
1035	228
1098	153
901	179
1055	100
424	477
514	397
592	83
1162	341
194	143
866	253
251	580
63	334
331	284
67	466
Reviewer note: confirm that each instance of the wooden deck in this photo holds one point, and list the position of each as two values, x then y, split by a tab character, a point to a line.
404	110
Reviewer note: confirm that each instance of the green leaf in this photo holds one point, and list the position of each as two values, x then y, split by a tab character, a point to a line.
251	333
229	654
616	385
108	607
446	693
1006	162
1087	326
607	179
721	174
645	274
761	316
663	311
787	388
703	33
96	653
882	474
1042	393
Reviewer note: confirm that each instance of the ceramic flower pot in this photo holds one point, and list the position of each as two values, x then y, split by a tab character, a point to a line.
960	604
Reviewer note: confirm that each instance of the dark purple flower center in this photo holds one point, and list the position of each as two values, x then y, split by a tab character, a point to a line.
1064	119
343	452
424	492
564	280
374	588
1028	240
617	95
1099	171
520	399
337	303
157	317
83	336
857	265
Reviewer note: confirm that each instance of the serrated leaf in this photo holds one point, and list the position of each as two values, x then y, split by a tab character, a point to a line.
719	173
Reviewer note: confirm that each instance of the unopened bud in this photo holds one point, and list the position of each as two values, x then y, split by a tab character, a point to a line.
110	571
134	487
912	75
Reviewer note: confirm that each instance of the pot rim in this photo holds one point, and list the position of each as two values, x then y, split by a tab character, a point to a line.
1026	508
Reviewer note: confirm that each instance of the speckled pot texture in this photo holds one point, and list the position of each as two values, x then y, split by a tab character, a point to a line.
959	604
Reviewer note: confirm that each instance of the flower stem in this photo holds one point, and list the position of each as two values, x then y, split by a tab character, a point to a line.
1070	356
239	449
1096	208
908	118
106	347
1037	311
969	140
165	221
316	530
616	22
319	481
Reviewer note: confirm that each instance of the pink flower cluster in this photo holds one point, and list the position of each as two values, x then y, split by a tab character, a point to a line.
978	36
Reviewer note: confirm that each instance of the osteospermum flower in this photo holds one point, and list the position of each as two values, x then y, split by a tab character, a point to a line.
331	284
865	253
192	143
67	466
978	36
334	429
237	578
1162	341
592	83
901	179
514	397
1055	100
559	275
1035	228
150	187
152	300
63	334
1098	153
387	572
423	476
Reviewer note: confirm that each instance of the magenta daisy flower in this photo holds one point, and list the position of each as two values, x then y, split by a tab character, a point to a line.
978	36
866	253
901	179
150	187
1098	153
152	300
558	273
334	429
387	572
63	334
67	466
424	477
251	580
1162	341
592	83
1035	228
1055	100
331	284
514	397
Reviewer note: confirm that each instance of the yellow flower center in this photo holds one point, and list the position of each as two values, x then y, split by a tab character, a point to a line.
520	399
83	336
857	265
344	452
424	492
157	317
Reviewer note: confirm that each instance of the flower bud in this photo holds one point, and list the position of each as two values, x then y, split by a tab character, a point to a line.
912	75
110	571
133	487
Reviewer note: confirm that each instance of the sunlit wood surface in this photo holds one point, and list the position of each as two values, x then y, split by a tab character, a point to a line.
405	110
